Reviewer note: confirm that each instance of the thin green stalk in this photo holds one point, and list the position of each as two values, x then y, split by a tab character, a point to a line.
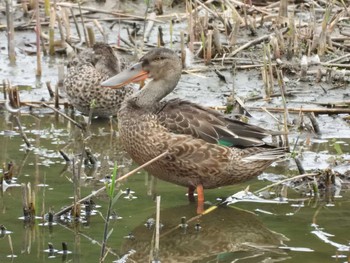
110	188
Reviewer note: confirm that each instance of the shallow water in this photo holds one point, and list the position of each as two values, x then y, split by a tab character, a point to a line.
304	229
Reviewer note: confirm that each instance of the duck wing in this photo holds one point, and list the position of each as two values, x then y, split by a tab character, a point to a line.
183	117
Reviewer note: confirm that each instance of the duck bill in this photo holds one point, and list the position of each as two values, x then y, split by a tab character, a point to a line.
132	74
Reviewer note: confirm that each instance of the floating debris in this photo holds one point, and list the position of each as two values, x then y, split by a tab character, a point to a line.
115	216
150	223
130	236
246	196
6	185
299	249
324	236
264	211
124	259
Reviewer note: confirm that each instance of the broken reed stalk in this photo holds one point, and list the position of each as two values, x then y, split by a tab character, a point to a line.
49	89
24	136
216	41
285	112
75	23
10	32
149	27
76	184
265	76
183	52
66	209
102	31
203	47
66	23
10	244
322	39
190	24
144	23
52	31
5	83
285	180
160	41
65	156
83	24
38	32
156	245
60	27
47	7
209	47
299	165
28	201
171	34
234	33
270	76
314	123
291	38
60	74
57	98
13	96
283	11
91	35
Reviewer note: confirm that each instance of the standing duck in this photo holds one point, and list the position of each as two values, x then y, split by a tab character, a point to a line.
82	82
205	148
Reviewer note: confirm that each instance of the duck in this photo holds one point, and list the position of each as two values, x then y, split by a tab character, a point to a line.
83	78
204	148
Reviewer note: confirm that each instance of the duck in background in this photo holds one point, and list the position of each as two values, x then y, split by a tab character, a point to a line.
82	82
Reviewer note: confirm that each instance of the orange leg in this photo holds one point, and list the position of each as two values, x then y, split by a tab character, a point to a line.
200	193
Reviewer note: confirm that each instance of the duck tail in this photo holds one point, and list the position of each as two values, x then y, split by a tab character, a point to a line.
267	154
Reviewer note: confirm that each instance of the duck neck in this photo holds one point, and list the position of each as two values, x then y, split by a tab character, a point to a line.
156	90
109	66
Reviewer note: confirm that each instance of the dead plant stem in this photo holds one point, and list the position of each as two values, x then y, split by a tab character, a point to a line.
64	115
285	180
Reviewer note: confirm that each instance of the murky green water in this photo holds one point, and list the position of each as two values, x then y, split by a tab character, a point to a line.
311	230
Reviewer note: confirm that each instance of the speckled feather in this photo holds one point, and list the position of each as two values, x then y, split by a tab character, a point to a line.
82	81
190	133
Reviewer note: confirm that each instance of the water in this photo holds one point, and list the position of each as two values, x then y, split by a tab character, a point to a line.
303	230
306	229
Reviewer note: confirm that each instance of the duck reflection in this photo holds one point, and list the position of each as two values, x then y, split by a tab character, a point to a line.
222	235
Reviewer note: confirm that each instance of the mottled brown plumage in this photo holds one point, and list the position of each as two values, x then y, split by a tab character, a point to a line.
82	82
190	133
